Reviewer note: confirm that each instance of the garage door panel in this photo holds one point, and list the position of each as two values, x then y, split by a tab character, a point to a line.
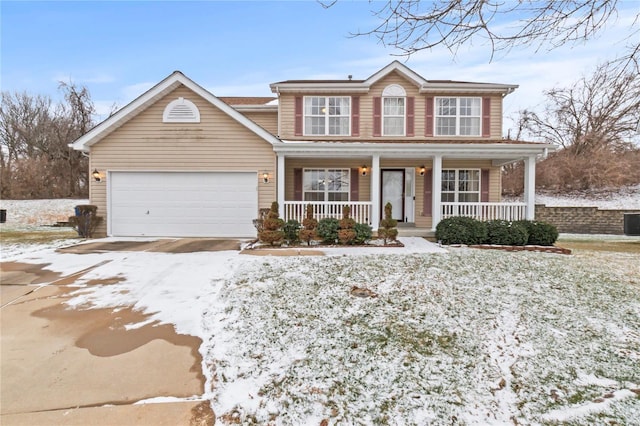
219	204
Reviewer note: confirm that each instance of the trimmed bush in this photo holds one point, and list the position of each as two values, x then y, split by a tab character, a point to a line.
272	232
387	230
503	232
328	230
346	234
291	229
310	224
461	230
540	233
363	233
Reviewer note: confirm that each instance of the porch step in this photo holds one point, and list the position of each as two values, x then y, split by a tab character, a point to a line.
406	231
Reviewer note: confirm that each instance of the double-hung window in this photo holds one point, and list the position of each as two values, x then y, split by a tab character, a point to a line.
393	116
326	184
461	185
458	116
327	115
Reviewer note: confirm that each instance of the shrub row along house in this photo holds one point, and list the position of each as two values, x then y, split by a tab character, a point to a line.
179	161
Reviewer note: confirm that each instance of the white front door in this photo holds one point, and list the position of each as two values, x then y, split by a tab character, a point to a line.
393	192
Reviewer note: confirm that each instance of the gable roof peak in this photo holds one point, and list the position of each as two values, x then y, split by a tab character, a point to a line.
399	67
164	87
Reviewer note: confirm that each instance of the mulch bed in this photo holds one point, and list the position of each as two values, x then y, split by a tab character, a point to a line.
543	249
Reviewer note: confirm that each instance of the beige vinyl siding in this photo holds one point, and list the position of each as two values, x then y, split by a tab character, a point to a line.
287	111
267	120
217	143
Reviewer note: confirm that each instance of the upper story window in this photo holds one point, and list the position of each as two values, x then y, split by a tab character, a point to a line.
326	184
458	116
393	110
327	115
181	110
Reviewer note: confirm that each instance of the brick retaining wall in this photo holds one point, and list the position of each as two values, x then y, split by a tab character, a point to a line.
583	220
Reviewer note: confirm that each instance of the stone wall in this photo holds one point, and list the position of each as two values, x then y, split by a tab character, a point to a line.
583	220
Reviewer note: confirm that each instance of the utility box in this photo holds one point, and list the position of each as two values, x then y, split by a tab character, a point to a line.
632	224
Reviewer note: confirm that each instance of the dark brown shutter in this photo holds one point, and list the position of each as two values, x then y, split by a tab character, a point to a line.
486	117
484	185
411	107
354	184
297	184
427	202
355	116
377	116
298	116
428	117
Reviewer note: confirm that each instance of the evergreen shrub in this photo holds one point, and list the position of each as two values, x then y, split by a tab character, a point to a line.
461	230
327	230
540	233
503	232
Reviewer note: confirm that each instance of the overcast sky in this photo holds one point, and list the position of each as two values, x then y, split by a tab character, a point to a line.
120	49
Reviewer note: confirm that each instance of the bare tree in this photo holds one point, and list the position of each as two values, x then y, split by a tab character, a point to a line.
598	111
35	159
414	25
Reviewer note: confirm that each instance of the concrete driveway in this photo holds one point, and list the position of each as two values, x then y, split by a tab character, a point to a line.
86	367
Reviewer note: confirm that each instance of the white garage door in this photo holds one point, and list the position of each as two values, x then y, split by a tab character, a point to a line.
165	204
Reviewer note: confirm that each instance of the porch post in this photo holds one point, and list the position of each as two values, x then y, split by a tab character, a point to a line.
280	184
375	191
436	208
530	186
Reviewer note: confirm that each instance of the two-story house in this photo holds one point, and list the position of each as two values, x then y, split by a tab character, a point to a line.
179	161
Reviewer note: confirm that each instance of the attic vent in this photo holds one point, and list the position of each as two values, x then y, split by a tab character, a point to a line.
181	110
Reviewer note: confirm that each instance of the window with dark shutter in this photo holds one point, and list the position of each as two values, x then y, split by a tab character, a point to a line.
411	108
297	184
354	185
355	116
298	116
377	116
486	117
428	117
484	185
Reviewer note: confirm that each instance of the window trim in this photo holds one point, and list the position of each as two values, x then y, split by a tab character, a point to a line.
346	171
456	190
457	116
403	116
327	116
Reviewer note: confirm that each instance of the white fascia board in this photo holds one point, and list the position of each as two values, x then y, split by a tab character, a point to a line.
318	88
125	113
468	87
481	150
146	99
256	108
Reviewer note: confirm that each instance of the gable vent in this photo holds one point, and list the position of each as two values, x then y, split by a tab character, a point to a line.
181	110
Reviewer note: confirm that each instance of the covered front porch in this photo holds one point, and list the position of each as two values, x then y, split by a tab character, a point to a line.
425	183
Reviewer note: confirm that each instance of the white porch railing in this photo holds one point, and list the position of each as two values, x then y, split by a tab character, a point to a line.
360	210
485	211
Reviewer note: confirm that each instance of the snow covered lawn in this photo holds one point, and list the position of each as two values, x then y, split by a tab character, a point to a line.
458	337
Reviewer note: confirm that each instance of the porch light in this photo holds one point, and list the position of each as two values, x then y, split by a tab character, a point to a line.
96	175
364	170
265	177
422	170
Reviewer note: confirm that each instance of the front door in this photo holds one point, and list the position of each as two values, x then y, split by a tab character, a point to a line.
393	192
